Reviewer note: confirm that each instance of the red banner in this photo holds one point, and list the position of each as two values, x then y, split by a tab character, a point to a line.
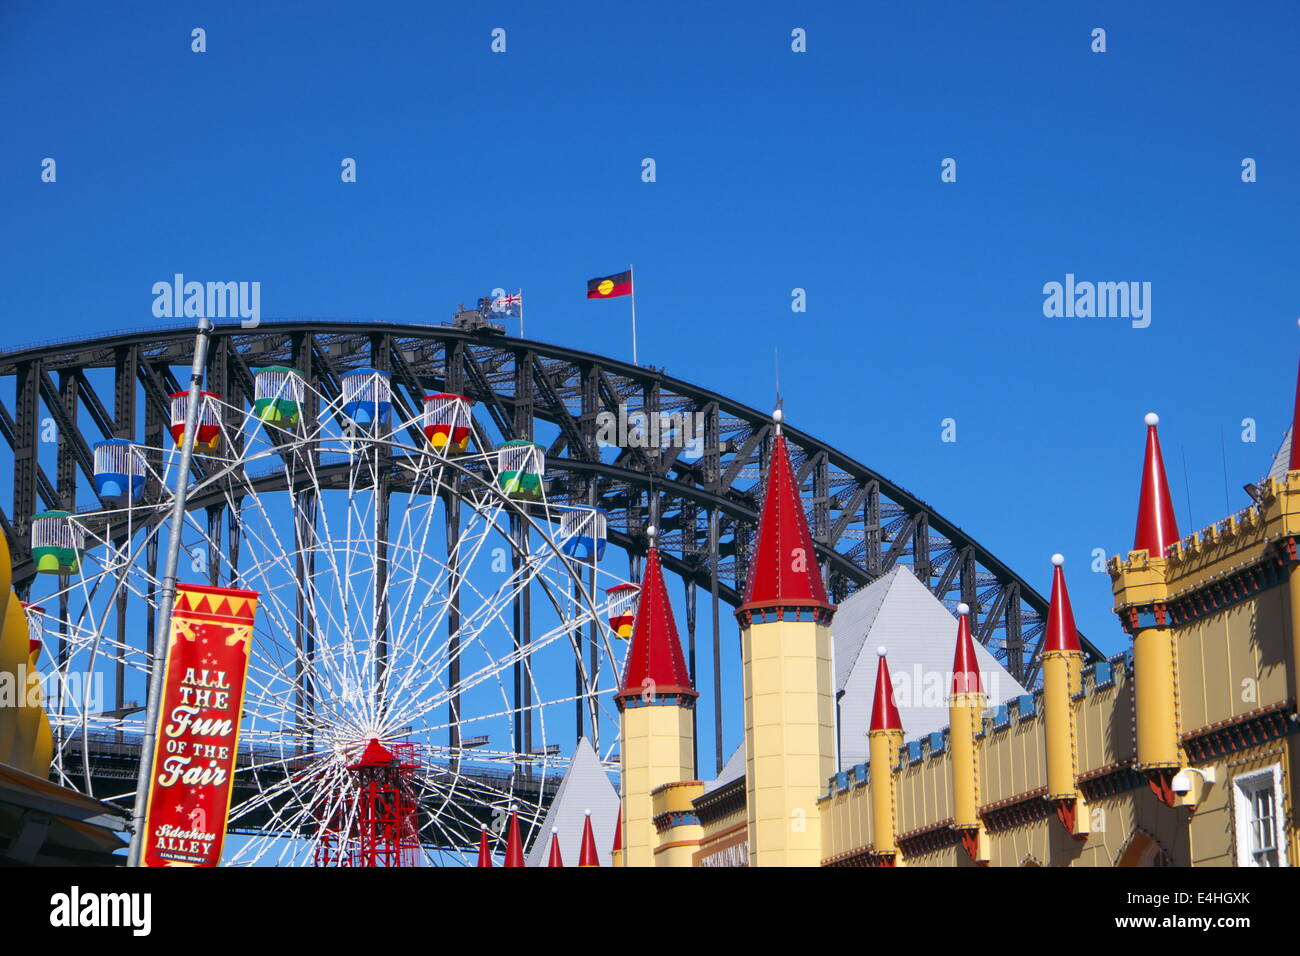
198	726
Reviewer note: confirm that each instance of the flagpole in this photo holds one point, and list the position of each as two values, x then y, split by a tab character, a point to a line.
521	314
633	278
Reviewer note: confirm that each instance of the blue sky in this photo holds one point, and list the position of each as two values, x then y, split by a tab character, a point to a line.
775	170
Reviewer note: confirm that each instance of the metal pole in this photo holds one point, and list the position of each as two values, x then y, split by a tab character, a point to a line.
575	568
690	667
521	313
719	756
594	675
167	596
633	278
451	516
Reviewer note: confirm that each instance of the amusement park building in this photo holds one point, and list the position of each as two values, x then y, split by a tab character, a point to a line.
1179	752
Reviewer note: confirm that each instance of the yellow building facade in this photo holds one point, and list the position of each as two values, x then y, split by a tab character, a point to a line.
1180	751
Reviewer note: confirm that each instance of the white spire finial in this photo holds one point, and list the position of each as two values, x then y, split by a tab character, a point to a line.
1058	559
651	531
963	609
881	651
1152	418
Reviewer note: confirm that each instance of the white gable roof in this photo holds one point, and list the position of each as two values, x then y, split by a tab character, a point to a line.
733	769
1282	458
585	787
899	613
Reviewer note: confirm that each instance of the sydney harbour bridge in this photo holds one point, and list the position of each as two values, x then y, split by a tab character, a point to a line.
64	401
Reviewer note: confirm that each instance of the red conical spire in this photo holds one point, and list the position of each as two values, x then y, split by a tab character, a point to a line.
618	831
1294	463
884	712
784	569
484	854
654	655
514	847
556	859
1156	527
587	856
1061	632
965	668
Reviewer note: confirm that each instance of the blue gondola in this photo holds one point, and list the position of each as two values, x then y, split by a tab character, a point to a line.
119	473
367	397
582	533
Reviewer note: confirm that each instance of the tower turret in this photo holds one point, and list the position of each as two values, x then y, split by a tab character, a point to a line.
965	717
1062	677
656	705
786	655
1141	600
885	737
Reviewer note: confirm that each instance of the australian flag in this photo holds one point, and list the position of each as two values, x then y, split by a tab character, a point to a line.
509	306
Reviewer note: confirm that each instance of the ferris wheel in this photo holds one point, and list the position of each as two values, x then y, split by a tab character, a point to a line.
393	559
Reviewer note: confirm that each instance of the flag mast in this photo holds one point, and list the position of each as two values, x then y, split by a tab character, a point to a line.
521	313
633	278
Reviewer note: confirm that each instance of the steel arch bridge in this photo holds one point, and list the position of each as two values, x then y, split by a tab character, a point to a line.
705	501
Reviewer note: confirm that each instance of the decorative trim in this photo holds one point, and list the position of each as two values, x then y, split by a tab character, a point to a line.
1139	617
939	836
1229	590
669	698
863	856
722	802
1016	811
1109	781
1257	727
751	614
676	818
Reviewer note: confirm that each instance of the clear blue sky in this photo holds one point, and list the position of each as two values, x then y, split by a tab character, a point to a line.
775	170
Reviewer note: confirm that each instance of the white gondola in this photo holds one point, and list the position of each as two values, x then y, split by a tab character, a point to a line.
521	465
58	543
208	431
582	533
447	422
119	472
367	396
278	393
622	600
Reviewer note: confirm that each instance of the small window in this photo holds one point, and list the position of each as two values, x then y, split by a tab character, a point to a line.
1258	799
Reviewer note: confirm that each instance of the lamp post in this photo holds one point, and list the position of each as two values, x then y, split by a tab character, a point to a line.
167	596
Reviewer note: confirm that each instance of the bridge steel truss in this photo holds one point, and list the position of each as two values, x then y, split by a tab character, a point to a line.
705	505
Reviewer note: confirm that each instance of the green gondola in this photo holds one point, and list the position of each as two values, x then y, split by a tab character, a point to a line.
278	396
57	544
520	468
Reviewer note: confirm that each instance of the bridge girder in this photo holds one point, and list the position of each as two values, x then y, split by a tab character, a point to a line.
863	524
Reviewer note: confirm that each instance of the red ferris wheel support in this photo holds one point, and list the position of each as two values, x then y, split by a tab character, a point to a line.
381	827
